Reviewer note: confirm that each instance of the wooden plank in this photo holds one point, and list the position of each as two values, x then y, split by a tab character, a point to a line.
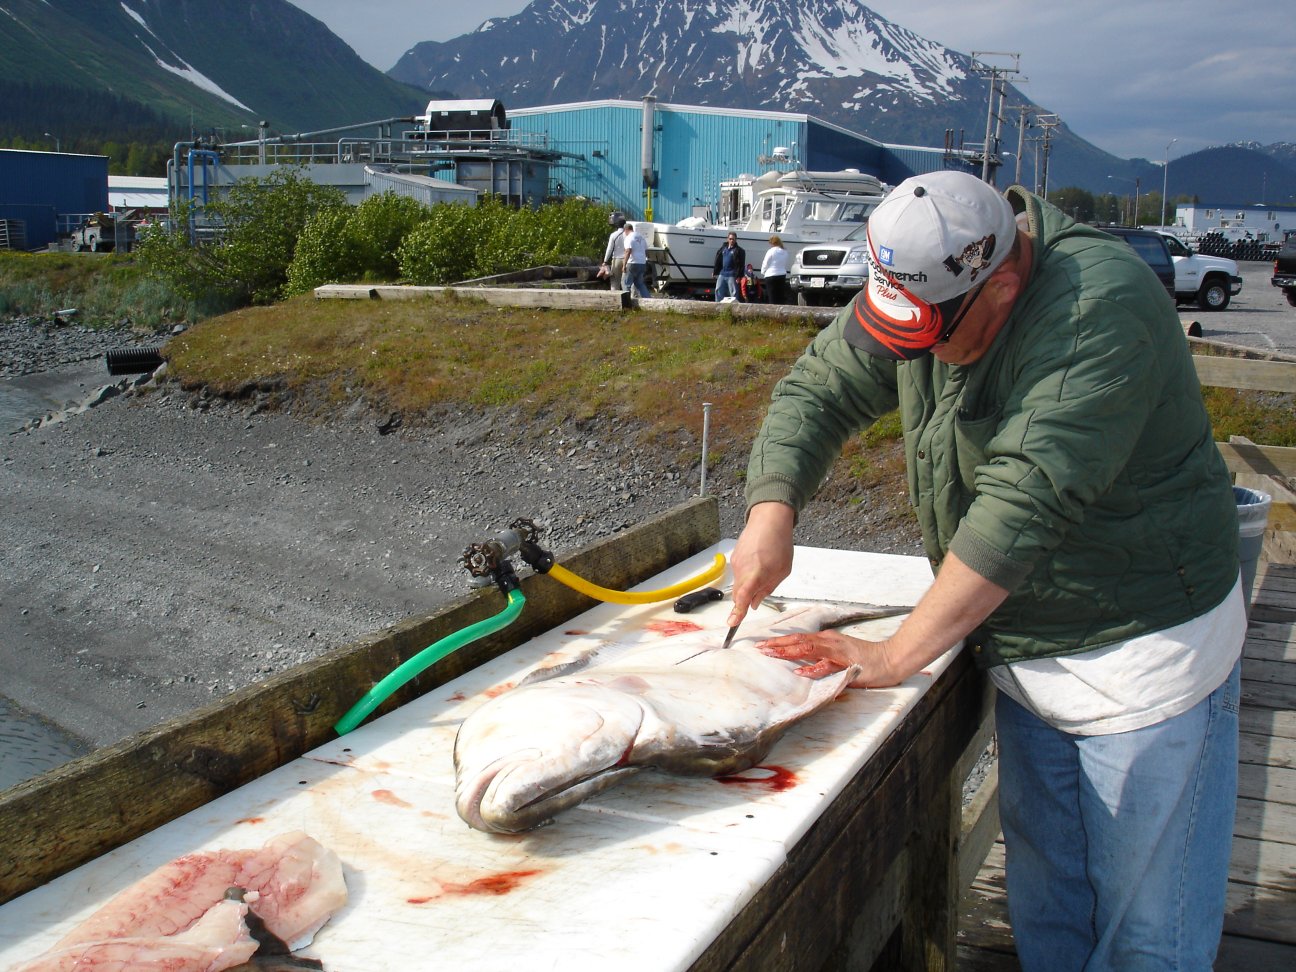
1268	460
1282	602
1273	784
57	821
550	297
1255	375
1259	820
1272	672
1264	750
1270	722
1239	954
709	308
973	959
1268	696
980	827
1275	577
1264	863
1271	641
1250	909
1260	912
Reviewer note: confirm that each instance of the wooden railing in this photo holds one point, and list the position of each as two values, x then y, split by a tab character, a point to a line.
1267	468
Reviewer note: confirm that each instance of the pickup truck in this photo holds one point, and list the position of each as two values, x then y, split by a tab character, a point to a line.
1155	251
830	273
1284	271
1209	280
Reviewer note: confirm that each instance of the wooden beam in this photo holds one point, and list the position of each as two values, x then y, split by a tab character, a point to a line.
1225	372
557	299
1259	459
76	812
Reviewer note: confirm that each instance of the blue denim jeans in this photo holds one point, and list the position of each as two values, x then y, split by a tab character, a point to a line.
1118	846
726	285
634	279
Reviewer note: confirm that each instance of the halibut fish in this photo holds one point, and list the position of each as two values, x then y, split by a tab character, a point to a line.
680	705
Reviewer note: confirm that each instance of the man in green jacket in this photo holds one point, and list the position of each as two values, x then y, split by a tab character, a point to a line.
1084	535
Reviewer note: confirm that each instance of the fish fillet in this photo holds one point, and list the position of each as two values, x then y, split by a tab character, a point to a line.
178	918
218	940
575	727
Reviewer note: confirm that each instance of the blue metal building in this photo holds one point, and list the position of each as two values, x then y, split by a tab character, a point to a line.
666	162
45	193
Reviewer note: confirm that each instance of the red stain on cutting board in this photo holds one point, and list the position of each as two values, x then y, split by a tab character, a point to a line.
776	779
391	799
501	883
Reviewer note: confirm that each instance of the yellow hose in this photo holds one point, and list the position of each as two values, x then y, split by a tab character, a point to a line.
565	576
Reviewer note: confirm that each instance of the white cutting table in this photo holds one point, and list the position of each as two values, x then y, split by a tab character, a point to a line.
641	877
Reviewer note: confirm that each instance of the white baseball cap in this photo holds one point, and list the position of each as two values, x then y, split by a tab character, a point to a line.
933	239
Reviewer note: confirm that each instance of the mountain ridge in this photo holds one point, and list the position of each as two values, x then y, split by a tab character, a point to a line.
841	62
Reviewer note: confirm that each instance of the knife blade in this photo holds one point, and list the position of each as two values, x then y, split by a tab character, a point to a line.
733	629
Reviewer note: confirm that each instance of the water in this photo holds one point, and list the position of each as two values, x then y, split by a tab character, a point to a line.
29	745
33	396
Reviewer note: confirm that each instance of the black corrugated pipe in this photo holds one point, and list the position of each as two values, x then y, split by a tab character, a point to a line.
133	361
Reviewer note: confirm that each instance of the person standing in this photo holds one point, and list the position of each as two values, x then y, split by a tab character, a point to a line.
635	248
774	271
614	253
730	260
1084	534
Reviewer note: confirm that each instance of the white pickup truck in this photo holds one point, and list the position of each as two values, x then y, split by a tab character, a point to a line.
1209	280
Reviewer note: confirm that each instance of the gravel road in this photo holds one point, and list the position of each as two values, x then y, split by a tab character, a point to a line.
164	548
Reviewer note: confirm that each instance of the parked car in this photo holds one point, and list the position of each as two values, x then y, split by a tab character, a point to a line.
1154	250
1211	281
1284	271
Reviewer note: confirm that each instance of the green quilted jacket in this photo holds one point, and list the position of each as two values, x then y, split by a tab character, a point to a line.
1073	465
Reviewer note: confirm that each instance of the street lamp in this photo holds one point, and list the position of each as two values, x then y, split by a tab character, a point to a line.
1165	178
1136	182
58	144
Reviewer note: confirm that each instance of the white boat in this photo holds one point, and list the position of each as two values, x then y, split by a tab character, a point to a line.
801	207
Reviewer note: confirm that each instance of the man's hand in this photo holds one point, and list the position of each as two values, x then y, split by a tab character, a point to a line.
763	556
831	651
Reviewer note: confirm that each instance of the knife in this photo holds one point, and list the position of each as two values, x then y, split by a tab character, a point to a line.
733	629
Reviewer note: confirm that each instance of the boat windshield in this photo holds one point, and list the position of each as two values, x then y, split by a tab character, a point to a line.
834	211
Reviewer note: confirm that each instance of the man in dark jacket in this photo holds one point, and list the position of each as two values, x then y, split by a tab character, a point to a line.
1084	533
730	261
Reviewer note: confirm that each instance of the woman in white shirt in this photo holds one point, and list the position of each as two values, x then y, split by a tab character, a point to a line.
774	270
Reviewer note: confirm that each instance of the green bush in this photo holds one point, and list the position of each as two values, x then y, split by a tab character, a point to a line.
253	235
378	227
442	249
462	243
325	253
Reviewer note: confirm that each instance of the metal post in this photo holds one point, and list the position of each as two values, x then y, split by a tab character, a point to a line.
706	436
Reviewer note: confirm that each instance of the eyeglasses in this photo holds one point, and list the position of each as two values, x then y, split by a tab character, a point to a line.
966	306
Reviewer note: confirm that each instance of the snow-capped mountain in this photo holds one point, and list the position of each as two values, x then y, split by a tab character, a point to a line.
833	58
218	62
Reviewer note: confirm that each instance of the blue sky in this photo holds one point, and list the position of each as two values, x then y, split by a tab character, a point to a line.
1127	75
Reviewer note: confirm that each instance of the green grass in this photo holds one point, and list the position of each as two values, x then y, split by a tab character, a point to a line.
104	288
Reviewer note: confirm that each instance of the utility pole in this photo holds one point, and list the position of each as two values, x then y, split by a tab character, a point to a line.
1022	125
998	85
1048	123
